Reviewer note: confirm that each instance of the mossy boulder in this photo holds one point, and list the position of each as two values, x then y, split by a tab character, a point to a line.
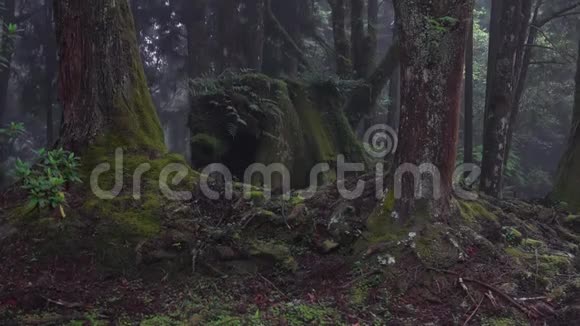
273	252
244	119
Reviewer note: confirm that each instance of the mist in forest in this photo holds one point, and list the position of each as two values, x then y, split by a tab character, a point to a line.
30	95
289	162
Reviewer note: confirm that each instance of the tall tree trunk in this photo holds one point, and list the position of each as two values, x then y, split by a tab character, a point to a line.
357	35
50	62
286	24
523	74
468	100
509	23
6	46
253	14
431	77
102	85
227	35
372	37
364	98
394	113
568	176
341	42
197	37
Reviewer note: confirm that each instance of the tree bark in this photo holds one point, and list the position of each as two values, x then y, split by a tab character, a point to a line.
253	13
102	86
372	37
508	33
364	98
287	23
394	113
227	35
568	176
357	35
523	75
50	62
431	78
468	100
6	46
341	42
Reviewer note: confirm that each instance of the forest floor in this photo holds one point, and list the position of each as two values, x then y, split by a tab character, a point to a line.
315	261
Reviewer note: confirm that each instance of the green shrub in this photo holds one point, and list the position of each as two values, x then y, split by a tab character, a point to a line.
45	181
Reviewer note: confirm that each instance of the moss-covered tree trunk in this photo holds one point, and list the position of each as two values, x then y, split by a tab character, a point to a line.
102	86
432	35
508	33
568	177
341	42
7	17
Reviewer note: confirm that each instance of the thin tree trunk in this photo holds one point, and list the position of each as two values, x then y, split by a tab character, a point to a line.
254	34
432	78
102	87
372	39
510	21
6	46
468	104
364	98
197	37
568	176
341	42
357	36
227	35
523	75
50	62
394	114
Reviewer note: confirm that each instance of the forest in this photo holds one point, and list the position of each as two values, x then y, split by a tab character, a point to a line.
289	162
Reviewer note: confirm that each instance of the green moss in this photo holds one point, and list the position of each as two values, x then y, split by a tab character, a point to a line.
303	314
275	251
159	321
297	200
320	137
471	211
433	248
512	235
533	244
126	220
207	148
546	265
383	226
501	321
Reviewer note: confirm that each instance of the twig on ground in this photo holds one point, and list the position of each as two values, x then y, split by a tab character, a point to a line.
474	311
528	312
371	273
65	304
273	285
466	289
532	299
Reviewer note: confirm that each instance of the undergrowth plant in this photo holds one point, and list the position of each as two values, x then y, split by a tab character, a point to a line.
45	181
